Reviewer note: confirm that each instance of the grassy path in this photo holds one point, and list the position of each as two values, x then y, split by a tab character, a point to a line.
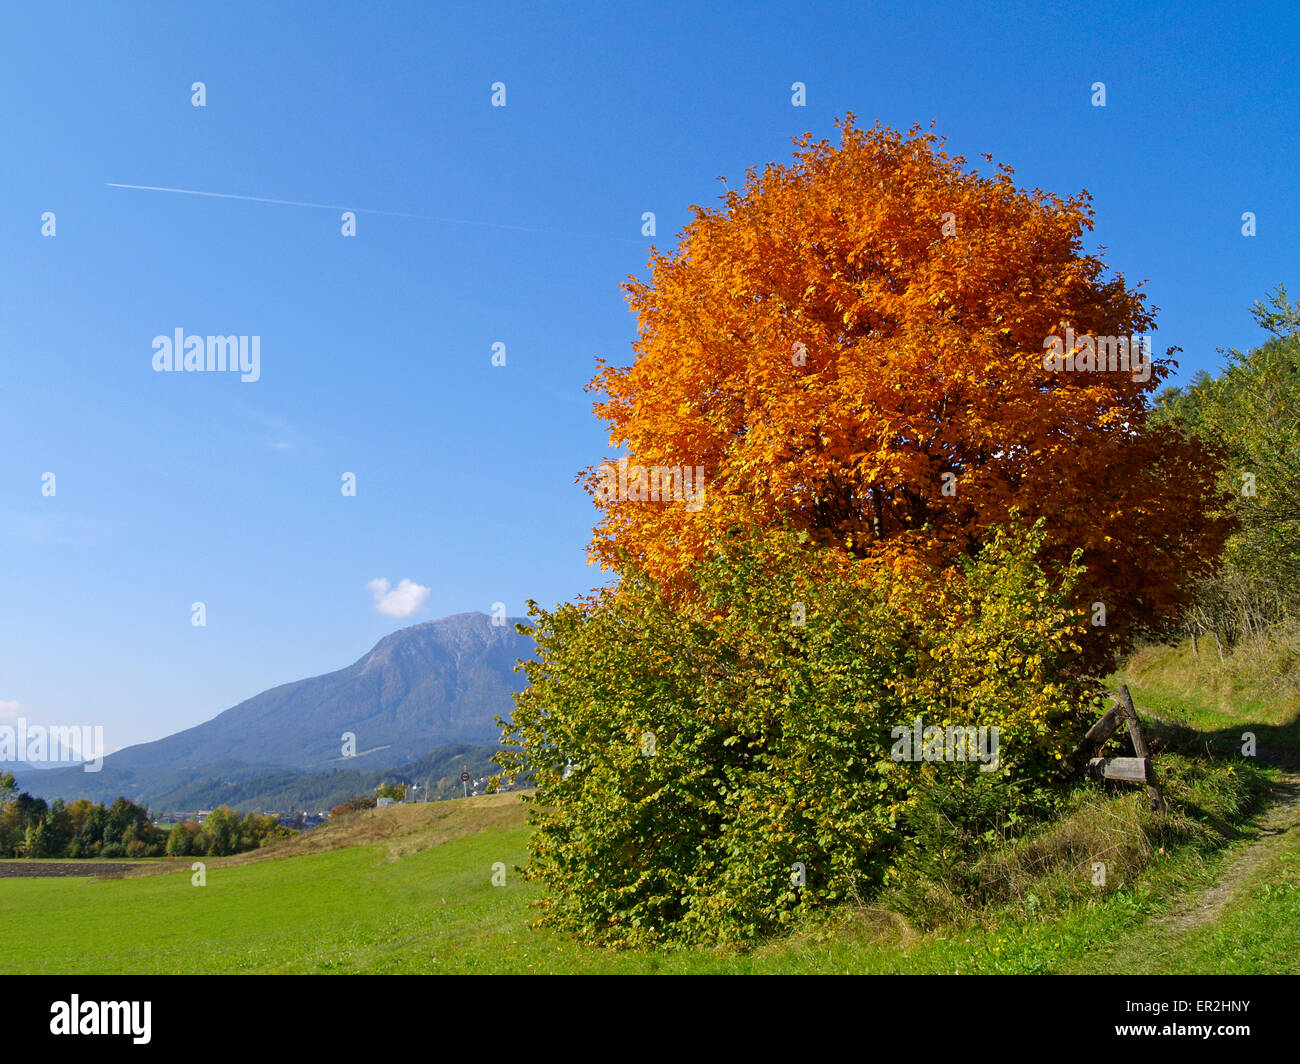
1247	920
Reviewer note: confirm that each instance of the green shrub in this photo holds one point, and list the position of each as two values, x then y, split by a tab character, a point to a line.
708	768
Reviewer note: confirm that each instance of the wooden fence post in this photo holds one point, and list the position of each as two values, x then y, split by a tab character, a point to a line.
1125	702
1133	769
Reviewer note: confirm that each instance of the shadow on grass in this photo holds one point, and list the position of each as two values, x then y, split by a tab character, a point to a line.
1274	744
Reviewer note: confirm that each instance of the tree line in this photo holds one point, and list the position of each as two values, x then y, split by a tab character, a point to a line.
33	828
1250	415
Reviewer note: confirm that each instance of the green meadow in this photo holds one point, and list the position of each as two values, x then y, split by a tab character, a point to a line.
410	889
354	910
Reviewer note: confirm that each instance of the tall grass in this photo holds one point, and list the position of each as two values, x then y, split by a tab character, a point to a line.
1258	678
1053	867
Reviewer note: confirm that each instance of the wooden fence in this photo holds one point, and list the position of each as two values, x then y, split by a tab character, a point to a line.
1131	769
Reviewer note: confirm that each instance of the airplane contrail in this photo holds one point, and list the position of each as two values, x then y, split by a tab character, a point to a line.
370	210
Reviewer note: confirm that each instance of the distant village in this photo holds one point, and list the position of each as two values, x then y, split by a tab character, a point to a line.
301	821
304	820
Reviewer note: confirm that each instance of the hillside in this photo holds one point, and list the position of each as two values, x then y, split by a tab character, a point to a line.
402	829
286	791
429	686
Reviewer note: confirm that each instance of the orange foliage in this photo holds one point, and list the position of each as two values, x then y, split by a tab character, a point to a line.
852	327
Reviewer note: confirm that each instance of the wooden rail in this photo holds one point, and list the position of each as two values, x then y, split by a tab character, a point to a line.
1130	769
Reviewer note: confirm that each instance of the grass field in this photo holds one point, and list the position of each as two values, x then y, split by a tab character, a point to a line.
357	909
409	889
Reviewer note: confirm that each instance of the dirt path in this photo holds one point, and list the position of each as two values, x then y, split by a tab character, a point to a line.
1161	945
1279	816
37	869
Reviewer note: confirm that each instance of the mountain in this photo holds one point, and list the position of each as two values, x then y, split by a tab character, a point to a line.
432	685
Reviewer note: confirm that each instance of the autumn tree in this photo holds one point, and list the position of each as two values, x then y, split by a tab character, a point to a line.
222	828
261	831
395	791
884	452
186	839
861	342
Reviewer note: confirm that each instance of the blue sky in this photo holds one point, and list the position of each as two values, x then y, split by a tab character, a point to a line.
376	350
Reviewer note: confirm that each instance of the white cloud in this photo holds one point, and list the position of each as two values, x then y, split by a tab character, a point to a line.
400	601
9	709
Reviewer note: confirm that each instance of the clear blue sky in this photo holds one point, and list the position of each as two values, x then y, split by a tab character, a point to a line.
375	350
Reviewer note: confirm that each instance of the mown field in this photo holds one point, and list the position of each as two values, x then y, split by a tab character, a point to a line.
409	889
